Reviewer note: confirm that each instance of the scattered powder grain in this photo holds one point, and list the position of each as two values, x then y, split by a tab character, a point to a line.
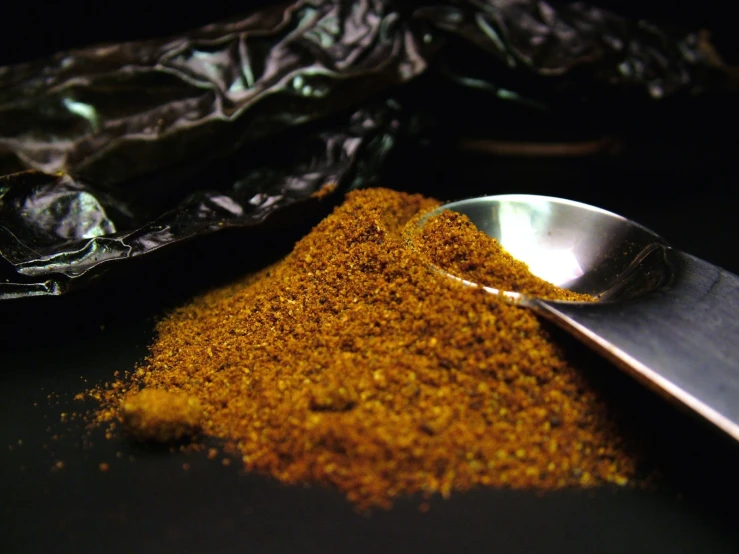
160	416
352	363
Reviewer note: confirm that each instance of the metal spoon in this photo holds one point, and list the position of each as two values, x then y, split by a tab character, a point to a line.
668	318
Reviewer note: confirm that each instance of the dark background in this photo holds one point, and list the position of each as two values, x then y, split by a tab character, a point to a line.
34	29
674	173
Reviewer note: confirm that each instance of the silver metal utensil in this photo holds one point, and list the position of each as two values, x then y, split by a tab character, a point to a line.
668	318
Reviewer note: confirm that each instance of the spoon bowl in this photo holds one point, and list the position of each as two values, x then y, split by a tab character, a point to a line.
572	245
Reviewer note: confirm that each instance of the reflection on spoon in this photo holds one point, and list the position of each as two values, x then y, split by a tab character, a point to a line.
518	235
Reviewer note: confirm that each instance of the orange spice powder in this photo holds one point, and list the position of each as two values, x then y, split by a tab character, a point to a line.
352	363
451	242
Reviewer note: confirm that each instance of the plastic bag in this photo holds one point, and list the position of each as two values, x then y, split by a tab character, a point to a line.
58	232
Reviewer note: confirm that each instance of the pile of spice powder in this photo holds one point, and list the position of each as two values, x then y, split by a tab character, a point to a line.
352	363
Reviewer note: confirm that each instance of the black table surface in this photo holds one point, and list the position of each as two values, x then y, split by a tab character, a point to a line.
53	348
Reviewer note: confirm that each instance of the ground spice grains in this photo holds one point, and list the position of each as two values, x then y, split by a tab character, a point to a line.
160	416
351	363
453	243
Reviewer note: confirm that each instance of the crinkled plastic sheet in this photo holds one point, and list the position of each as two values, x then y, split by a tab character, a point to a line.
569	48
59	232
125	149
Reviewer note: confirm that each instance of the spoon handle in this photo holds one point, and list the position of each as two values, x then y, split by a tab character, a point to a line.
682	340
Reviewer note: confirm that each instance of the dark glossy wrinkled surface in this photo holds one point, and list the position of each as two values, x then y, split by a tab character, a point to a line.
162	140
117	112
59	232
575	48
